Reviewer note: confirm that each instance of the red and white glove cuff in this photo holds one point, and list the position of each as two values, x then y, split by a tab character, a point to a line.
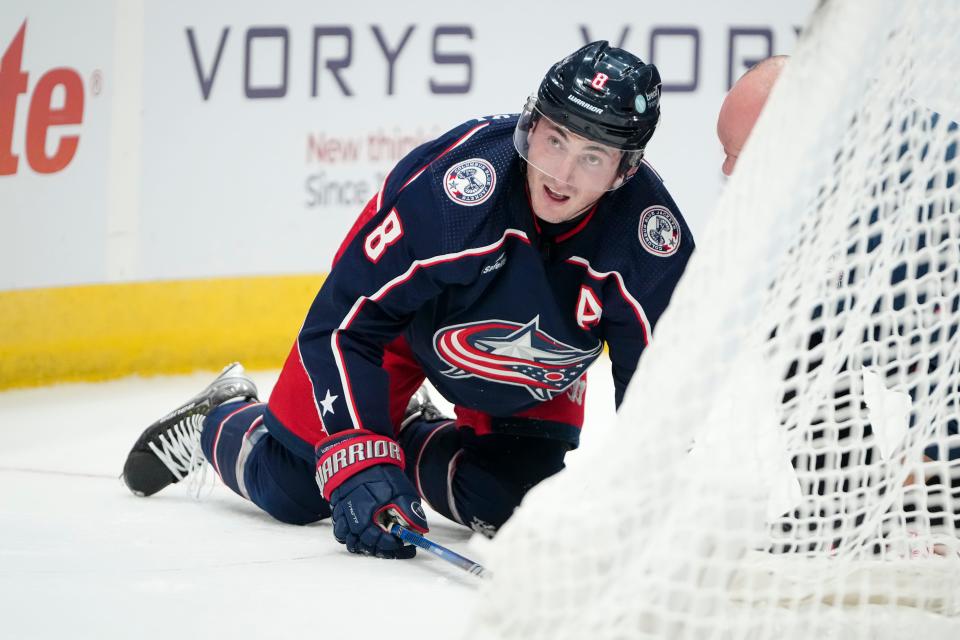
343	455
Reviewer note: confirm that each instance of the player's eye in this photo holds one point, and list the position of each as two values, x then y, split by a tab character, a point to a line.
555	142
592	160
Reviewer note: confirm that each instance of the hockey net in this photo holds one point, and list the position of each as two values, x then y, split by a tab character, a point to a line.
782	465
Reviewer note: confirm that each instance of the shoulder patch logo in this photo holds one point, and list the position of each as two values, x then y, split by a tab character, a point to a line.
659	231
470	182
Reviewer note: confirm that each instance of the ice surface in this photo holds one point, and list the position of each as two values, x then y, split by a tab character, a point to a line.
81	557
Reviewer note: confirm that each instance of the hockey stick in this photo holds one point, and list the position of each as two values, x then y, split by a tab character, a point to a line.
414	538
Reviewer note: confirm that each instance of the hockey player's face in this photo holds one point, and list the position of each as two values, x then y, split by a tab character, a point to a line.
567	173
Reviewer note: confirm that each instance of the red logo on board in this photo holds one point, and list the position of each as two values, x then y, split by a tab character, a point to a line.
45	112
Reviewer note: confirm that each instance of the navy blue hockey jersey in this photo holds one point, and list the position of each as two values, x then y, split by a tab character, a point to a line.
500	314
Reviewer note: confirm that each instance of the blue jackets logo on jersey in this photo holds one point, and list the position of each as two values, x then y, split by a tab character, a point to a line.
470	182
511	353
659	231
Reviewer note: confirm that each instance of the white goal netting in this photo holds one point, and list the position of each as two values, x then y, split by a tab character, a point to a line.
787	461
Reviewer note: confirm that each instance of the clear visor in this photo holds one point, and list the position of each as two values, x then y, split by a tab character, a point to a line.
569	158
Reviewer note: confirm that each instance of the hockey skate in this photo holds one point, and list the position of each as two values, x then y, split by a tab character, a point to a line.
169	450
420	406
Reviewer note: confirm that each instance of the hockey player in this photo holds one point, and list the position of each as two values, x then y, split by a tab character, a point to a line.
496	260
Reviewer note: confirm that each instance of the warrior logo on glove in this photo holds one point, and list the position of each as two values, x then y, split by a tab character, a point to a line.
360	474
335	458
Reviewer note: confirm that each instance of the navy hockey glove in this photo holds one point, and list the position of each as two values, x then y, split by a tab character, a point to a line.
360	474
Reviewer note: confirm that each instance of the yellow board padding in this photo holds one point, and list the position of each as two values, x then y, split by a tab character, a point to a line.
98	332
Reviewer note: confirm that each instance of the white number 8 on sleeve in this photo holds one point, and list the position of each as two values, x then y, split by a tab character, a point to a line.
384	235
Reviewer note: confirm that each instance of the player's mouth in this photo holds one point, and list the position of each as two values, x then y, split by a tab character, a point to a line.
554	195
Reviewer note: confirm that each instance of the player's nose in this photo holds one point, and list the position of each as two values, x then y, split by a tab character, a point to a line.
566	171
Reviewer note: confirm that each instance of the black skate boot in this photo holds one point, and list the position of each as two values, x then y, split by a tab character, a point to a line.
420	406
170	448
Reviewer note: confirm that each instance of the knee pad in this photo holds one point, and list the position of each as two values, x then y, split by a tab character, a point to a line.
495	473
283	484
477	481
257	467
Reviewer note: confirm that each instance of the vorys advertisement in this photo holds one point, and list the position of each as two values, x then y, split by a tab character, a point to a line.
247	137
